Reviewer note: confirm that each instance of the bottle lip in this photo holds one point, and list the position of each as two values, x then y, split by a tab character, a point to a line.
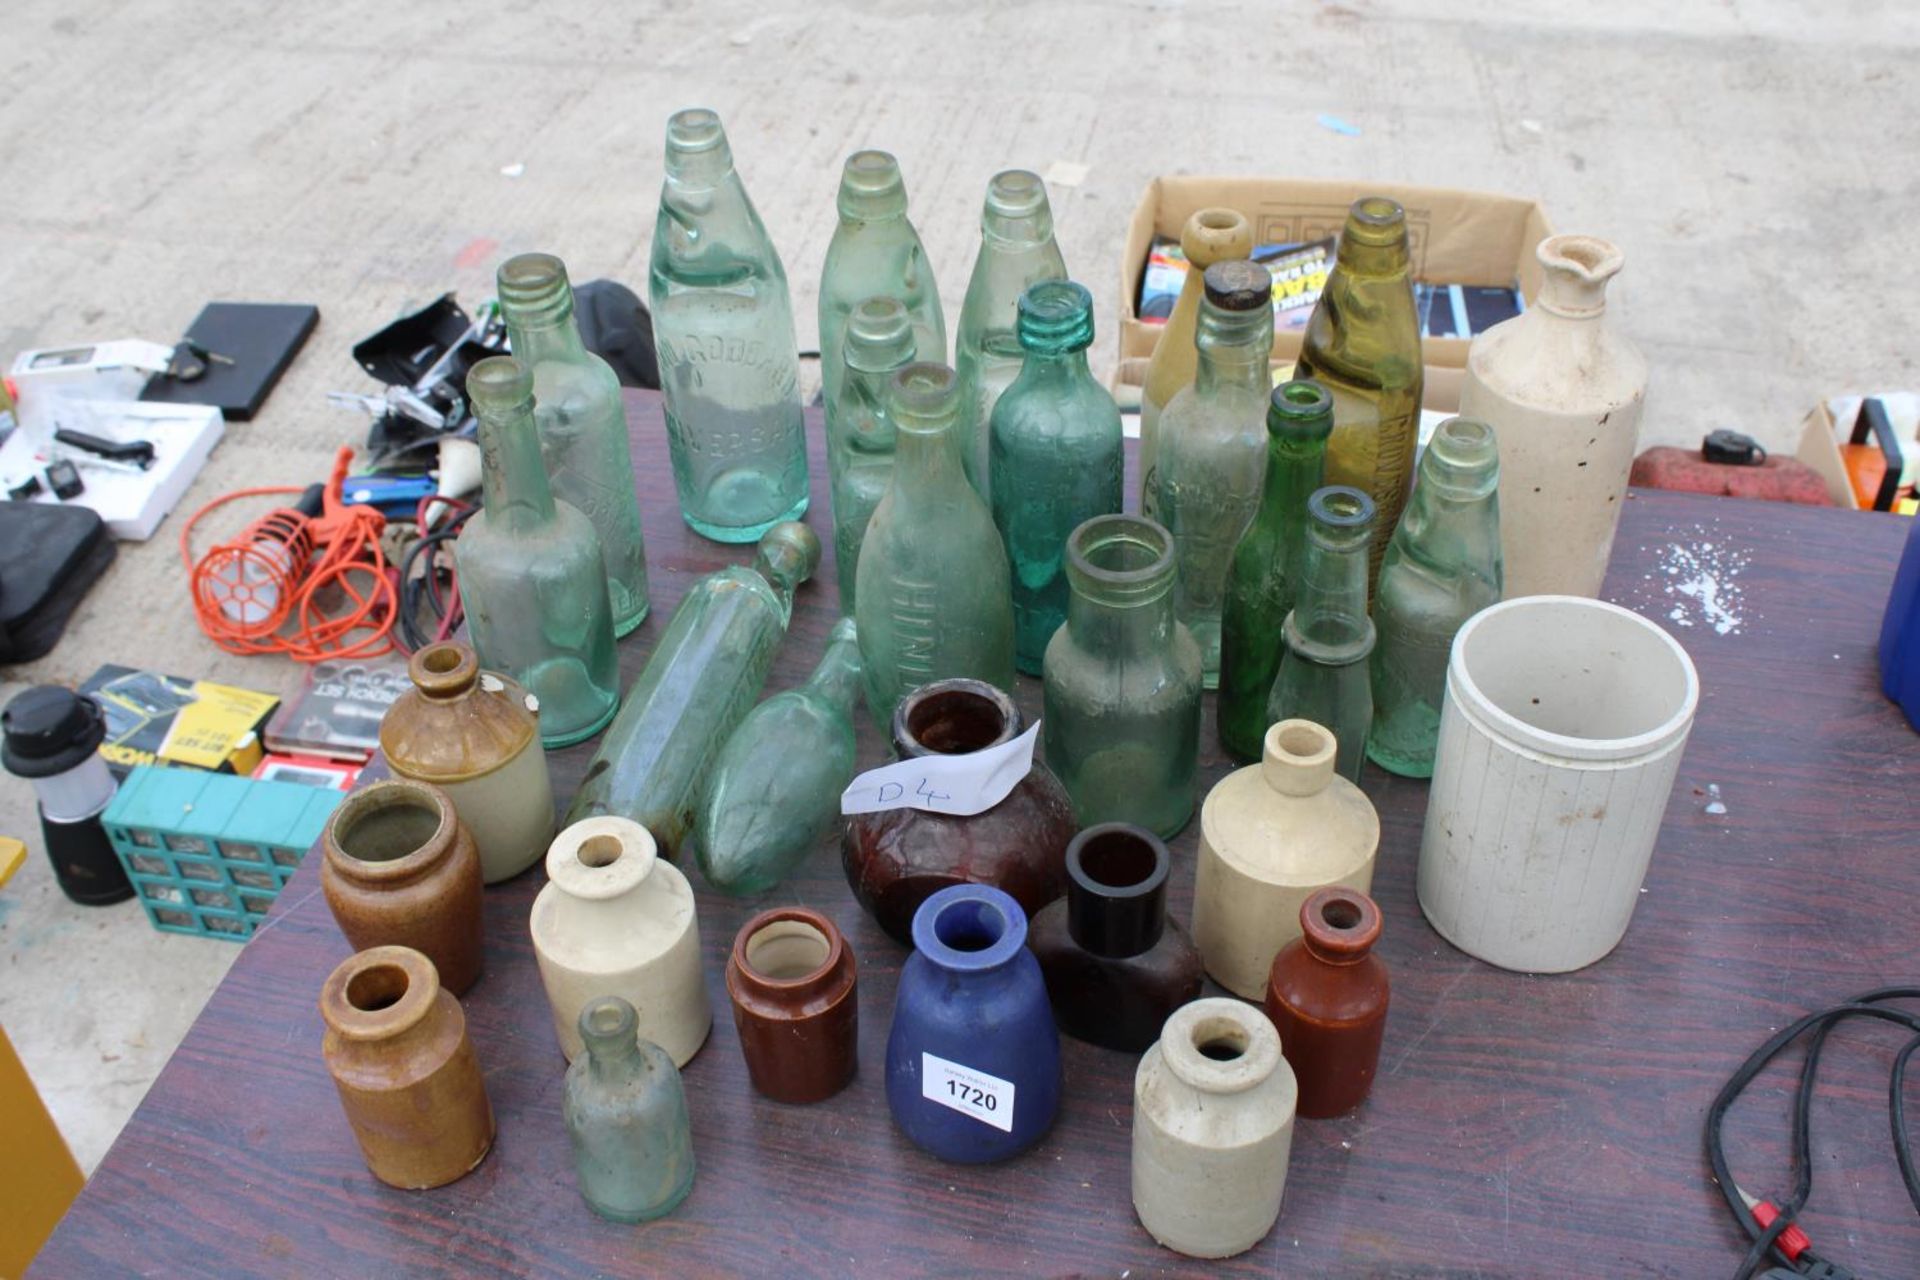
920	391
1376	220
1103	538
743	969
970	928
1340	506
1300	408
609	1023
389	793
602	857
444	670
1138	844
879	335
1297	757
532	282
1462	459
1214	234
501	385
1016	193
1054	317
1340	925
379	993
695	129
953	717
1220	1046
1239	285
871	185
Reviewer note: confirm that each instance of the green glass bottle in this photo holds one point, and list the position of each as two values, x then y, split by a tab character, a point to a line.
532	578
1442	567
723	327
583	425
875	253
1017	249
775	790
626	1115
859	434
1363	343
934	596
1122	691
1323	677
703	677
1056	458
1213	445
1266	565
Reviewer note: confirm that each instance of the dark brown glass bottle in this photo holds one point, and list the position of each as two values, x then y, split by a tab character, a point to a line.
791	977
1327	996
1115	965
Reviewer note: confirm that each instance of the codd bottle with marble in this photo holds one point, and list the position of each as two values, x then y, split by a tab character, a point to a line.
875	253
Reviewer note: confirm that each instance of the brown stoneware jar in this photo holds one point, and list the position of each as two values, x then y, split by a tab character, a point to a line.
1327	996
401	870
397	1048
898	858
791	977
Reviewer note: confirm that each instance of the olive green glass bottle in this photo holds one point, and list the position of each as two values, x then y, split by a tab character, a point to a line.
860	437
875	253
1323	677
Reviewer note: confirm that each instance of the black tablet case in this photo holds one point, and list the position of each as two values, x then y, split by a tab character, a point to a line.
261	338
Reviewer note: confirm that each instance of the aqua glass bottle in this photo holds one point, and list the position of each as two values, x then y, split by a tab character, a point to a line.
1056	459
626	1116
1266	565
583	425
1122	681
1017	250
875	253
723	327
859	434
775	790
532	578
934	595
703	677
1323	677
1212	455
1442	567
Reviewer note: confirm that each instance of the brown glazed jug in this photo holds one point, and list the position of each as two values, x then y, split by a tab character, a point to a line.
396	1045
1327	996
898	858
791	977
401	870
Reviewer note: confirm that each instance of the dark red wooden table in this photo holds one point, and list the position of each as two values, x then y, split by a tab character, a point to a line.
1521	1126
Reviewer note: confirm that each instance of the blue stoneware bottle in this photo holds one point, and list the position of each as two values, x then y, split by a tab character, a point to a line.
1900	632
973	1061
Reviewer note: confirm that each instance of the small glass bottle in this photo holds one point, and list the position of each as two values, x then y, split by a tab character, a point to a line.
875	252
1442	567
1213	446
723	326
860	438
1323	677
532	578
934	595
1122	692
1056	458
1017	249
583	425
703	677
626	1114
1266	565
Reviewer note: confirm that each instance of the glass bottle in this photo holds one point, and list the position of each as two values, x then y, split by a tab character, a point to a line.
934	595
583	425
626	1114
1122	692
1016	250
879	344
875	252
1266	565
1442	567
704	675
1212	446
775	790
723	325
1056	457
1363	343
532	578
1323	677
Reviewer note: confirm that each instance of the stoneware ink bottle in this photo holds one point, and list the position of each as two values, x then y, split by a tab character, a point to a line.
1327	996
791	978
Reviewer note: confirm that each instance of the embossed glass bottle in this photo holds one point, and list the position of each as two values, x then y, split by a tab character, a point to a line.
1016	250
1323	677
626	1115
1056	458
723	324
531	574
1213	446
1266	565
934	596
1442	567
875	253
860	436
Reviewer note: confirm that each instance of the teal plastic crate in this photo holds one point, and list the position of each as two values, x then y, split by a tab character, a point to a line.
208	852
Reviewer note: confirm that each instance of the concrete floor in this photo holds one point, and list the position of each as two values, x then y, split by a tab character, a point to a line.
1749	156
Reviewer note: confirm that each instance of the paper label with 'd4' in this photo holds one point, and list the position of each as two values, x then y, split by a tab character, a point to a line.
988	1099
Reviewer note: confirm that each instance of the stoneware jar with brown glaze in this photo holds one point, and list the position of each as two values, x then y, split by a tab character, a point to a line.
615	919
475	735
898	858
791	978
401	870
1327	996
396	1045
1270	834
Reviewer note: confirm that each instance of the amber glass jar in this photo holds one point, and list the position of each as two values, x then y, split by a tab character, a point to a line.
1327	996
791	977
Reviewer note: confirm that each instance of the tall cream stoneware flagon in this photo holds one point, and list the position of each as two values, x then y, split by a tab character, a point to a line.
1562	390
1271	834
616	920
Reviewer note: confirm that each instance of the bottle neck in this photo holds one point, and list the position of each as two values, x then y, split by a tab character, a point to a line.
1329	622
613	1061
544	333
836	679
1234	348
1296	466
1143	624
1120	575
513	475
1055	367
926	456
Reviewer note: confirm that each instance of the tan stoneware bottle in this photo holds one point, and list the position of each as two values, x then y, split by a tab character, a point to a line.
396	1046
791	978
1327	997
401	870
